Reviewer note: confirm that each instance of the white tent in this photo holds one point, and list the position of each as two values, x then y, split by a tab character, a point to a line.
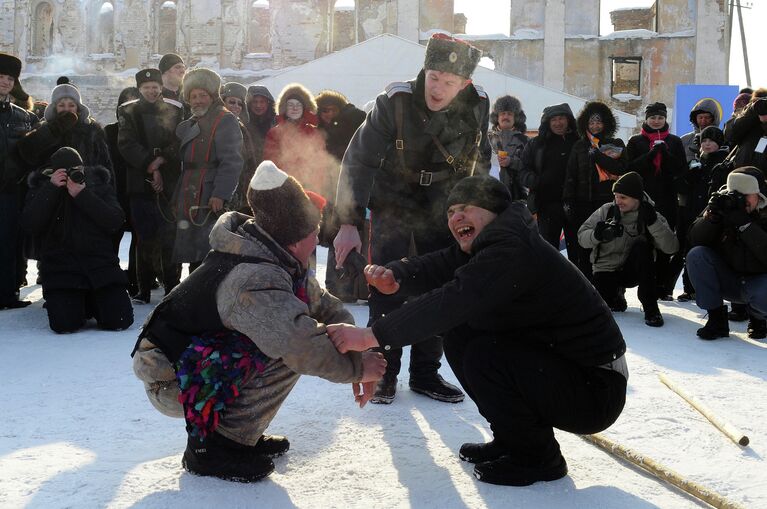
362	71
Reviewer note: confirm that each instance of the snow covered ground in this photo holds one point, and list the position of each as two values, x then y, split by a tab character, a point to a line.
77	431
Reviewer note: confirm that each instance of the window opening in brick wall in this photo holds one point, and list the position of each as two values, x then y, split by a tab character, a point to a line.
166	36
344	24
626	75
42	30
106	32
259	37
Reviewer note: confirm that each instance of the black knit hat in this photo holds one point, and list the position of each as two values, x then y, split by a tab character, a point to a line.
630	184
712	133
66	157
480	191
10	65
280	205
446	54
169	60
655	109
147	75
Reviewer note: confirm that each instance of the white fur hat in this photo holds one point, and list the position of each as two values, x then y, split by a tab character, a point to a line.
748	180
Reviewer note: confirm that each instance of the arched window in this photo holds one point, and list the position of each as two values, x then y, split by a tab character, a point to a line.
260	39
344	24
166	28
42	30
106	24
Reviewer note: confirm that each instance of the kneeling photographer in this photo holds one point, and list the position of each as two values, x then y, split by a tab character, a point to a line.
73	212
729	260
623	236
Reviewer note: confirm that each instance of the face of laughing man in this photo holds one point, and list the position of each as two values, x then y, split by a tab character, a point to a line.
466	222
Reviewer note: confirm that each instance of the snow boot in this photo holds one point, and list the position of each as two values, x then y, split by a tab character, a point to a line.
271	445
738	312
385	390
653	319
437	388
481	452
217	456
507	472
686	297
757	329
717	325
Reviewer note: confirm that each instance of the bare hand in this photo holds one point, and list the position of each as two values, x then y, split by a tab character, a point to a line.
155	164
73	188
504	161
347	240
59	178
373	367
216	204
363	392
382	279
348	338
157	183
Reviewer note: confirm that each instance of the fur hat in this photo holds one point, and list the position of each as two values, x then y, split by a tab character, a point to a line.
480	191
203	79
147	75
605	114
512	104
295	91
630	184
447	54
233	89
66	91
169	60
10	65
280	205
714	134
749	180
66	157
261	90
655	109
331	98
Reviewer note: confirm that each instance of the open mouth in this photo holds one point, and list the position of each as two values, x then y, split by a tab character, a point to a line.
465	232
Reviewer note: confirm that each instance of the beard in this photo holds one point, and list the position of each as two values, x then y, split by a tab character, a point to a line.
199	111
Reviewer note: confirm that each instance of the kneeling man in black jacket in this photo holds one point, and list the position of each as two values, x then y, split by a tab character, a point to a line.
527	336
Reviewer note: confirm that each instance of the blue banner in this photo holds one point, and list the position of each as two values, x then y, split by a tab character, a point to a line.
688	95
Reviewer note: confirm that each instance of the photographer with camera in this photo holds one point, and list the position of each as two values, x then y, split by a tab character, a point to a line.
623	236
749	133
74	212
729	257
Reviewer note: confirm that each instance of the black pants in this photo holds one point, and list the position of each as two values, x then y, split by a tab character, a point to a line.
524	391
392	234
154	243
639	270
9	232
68	309
551	222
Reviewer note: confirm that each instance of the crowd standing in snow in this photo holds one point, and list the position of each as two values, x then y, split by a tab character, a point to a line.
233	183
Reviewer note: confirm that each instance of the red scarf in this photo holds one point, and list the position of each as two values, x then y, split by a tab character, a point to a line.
652	136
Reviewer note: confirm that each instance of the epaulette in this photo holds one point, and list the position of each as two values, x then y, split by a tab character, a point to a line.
126	103
480	91
174	102
398	87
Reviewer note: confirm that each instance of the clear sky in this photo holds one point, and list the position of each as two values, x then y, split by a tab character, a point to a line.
492	17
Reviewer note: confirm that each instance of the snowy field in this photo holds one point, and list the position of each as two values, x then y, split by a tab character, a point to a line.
78	431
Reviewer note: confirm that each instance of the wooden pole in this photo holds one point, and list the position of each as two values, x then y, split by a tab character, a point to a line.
663	473
725	427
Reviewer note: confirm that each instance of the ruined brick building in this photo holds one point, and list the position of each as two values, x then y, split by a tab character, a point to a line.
555	43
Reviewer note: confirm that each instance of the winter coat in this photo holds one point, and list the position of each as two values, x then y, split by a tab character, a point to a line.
747	131
661	186
745	252
544	160
75	234
513	143
257	298
211	149
611	256
249	165
582	184
15	123
513	286
697	183
120	171
372	173
339	132
691	147
259	126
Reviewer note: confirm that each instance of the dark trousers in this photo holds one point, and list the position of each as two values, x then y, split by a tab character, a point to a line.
154	244
68	309
639	270
9	229
392	235
551	222
524	391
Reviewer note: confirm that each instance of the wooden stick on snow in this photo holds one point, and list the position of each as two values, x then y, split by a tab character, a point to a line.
663	473
725	427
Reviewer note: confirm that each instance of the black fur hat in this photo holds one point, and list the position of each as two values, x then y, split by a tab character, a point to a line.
512	104
10	65
605	113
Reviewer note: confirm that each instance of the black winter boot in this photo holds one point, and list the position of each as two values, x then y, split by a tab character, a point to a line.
757	329
738	312
271	445
385	390
507	472
437	388
717	325
479	453
217	456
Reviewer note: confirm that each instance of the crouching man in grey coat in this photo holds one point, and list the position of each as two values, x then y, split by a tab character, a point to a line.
230	342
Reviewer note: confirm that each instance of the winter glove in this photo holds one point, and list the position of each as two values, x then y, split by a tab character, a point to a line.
737	218
658	146
63	123
647	213
604	232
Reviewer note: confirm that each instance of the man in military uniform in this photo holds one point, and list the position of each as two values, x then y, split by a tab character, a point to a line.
14	124
148	143
421	137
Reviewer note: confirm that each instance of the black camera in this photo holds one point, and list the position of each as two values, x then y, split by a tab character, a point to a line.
727	200
613	229
76	174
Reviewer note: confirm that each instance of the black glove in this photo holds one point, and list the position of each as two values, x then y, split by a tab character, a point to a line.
604	232
737	218
63	123
658	146
647	213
